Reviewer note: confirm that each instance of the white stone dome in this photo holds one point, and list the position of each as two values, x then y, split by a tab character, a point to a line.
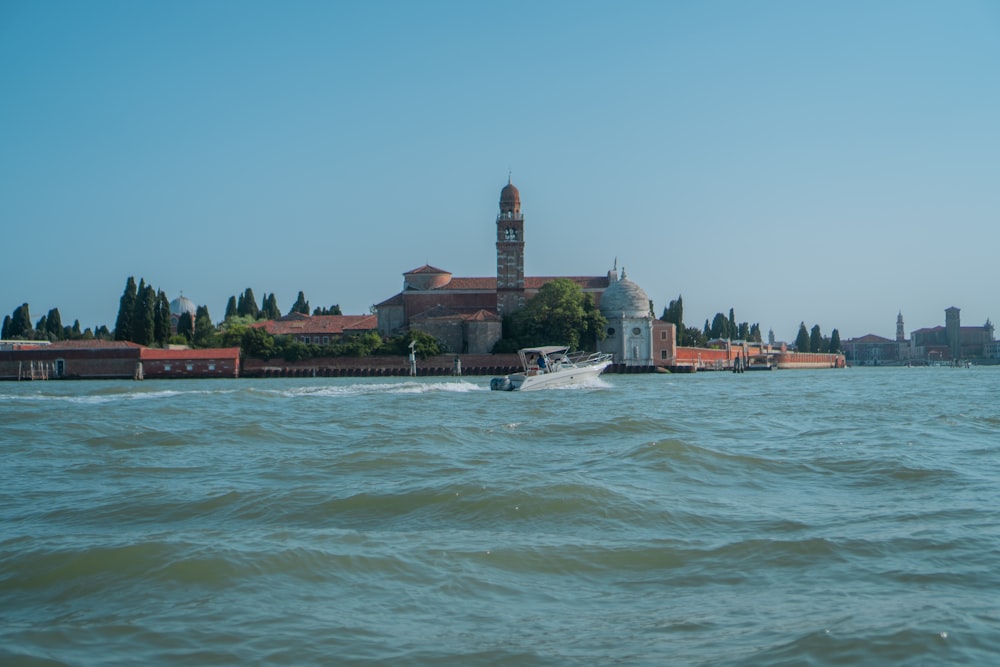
624	298
182	305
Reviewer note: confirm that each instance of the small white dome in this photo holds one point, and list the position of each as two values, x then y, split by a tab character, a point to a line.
181	305
624	297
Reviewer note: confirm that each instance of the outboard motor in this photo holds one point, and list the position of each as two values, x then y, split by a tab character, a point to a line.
501	384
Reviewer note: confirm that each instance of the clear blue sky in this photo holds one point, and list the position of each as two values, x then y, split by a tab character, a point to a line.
832	163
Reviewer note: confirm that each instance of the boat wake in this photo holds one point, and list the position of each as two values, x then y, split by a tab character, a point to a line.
379	388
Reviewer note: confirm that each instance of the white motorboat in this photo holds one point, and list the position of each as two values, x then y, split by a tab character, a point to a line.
549	366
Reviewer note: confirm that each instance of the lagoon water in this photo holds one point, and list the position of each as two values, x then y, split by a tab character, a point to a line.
847	517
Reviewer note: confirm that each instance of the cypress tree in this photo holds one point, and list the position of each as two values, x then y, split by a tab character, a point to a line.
161	319
5	334
42	326
815	339
733	329
20	323
270	310
143	324
248	305
185	326
231	308
835	342
301	305
802	339
54	325
126	311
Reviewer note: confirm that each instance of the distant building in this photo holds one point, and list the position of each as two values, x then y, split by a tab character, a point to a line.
466	313
947	343
178	307
874	350
953	342
318	329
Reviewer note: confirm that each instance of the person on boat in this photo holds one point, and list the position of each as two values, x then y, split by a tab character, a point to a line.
541	363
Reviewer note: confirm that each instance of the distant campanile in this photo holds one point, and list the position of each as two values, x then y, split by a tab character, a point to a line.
900	333
510	252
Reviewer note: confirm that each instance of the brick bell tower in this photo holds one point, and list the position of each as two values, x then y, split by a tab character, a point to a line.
510	252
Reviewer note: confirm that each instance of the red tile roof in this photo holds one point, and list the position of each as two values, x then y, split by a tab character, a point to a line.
150	354
426	268
330	325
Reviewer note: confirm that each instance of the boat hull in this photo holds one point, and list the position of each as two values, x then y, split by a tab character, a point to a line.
560	378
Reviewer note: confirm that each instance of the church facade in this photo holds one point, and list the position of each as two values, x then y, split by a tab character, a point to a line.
466	313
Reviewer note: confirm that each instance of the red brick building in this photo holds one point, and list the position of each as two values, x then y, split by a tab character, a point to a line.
475	306
97	359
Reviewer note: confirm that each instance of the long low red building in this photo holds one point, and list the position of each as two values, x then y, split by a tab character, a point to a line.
96	359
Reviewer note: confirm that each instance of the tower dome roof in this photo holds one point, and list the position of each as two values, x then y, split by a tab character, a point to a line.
624	298
181	305
510	199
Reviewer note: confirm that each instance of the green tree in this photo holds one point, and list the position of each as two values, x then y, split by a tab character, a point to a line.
755	336
815	339
270	310
720	327
20	324
425	345
559	314
42	325
143	319
185	327
5	334
695	337
332	310
205	334
674	312
54	325
733	329
231	308
161	319
802	339
126	311
835	342
300	305
247	305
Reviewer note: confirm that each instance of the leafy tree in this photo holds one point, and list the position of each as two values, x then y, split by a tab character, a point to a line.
802	339
755	336
5	334
185	327
300	305
835	342
695	337
255	342
270	310
103	333
706	331
559	314
126	311
161	319
674	312
332	310
42	325
425	345
815	339
744	331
